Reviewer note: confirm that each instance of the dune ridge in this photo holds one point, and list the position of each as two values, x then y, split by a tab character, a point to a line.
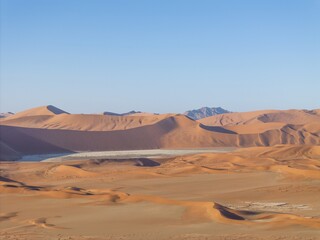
47	110
296	117
58	132
203	211
84	122
271	191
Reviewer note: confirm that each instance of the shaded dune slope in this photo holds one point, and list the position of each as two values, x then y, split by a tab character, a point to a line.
7	153
37	140
51	130
84	122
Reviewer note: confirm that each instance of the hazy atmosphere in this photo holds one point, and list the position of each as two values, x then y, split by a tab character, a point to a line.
160	56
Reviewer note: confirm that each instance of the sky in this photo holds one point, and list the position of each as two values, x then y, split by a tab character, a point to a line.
90	56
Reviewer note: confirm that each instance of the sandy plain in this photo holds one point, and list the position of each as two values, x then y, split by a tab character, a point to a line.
249	193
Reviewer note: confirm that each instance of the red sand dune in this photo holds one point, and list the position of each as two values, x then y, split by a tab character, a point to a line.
51	130
38	111
245	194
265	116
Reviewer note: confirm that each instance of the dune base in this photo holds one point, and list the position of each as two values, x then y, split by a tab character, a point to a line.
251	193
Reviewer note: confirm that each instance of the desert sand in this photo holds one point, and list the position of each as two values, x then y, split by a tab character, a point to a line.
249	193
49	129
233	176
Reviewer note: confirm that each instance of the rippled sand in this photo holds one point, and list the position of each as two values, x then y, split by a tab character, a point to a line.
252	193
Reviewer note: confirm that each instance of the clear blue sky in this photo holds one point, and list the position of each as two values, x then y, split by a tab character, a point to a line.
160	56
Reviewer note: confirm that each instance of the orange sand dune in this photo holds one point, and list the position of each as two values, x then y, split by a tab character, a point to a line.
284	116
50	130
255	127
204	211
290	160
252	193
38	111
284	151
64	171
172	132
83	122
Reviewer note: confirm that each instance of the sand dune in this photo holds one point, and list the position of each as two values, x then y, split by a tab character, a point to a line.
84	122
51	130
203	211
7	216
275	219
255	128
174	132
64	171
270	182
48	110
199	196
296	117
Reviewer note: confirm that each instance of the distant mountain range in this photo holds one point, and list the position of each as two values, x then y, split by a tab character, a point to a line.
204	112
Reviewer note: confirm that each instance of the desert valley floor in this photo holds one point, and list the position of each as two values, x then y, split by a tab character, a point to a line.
248	193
